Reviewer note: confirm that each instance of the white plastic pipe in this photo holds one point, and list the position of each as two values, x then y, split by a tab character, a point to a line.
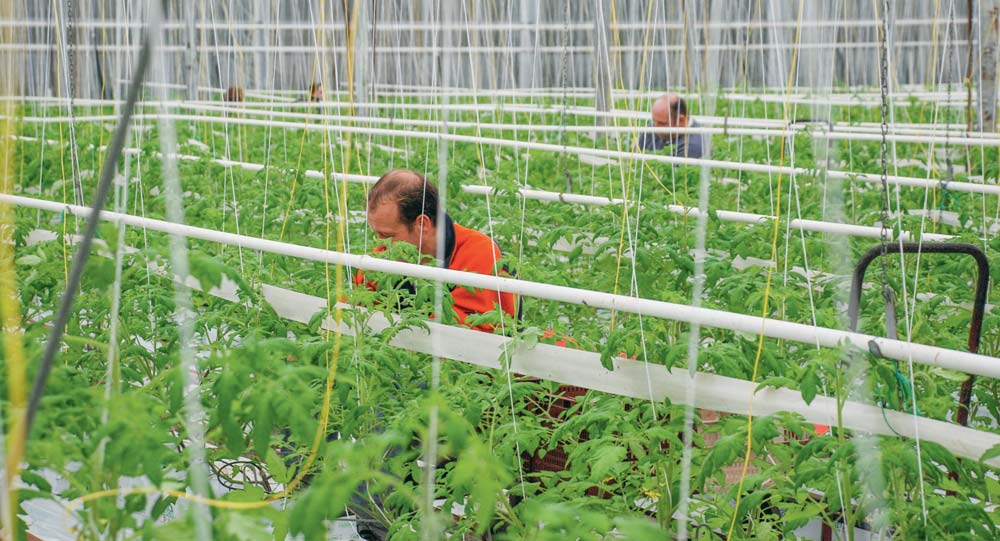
641	380
338	26
956	129
864	91
635	379
904	133
466	49
960	361
989	189
817	226
818	131
630	378
956	134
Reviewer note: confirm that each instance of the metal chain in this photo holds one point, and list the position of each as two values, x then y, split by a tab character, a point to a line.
565	55
950	171
71	47
888	296
564	162
884	80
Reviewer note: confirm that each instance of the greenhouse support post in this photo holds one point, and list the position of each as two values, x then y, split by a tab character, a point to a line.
260	66
363	61
525	66
601	65
192	70
989	23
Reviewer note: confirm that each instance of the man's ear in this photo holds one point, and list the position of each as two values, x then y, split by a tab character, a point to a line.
424	223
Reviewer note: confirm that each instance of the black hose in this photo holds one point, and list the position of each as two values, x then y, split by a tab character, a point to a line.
83	252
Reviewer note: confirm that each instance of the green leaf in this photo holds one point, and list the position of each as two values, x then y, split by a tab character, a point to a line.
777	382
276	467
245	527
606	459
207	270
613	348
477	471
606	361
152	467
36	480
28	260
810	382
639	528
992	452
161	505
263	424
949	375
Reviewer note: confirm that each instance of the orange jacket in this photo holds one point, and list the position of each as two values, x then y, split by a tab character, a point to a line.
468	250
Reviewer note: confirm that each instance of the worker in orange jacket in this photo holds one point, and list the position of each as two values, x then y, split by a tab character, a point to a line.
403	207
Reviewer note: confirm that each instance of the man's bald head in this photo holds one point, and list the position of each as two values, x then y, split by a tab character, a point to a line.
403	207
411	193
669	111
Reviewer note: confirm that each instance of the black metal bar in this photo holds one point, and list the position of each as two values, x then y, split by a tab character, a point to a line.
978	306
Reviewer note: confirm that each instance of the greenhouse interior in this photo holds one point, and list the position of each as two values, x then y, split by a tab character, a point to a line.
499	270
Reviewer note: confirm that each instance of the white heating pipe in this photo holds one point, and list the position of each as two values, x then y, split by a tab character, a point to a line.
630	378
903	133
900	91
818	131
637	379
955	130
438	49
440	25
817	226
896	180
969	363
990	189
262	107
731	126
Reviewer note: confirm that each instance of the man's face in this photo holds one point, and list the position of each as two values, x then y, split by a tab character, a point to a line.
385	221
663	117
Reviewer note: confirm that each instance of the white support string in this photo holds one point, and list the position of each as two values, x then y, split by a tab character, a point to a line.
496	270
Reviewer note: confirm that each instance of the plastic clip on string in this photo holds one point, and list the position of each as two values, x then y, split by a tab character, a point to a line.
903	384
946	199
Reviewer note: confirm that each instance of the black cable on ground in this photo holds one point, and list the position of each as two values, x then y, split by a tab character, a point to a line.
83	251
